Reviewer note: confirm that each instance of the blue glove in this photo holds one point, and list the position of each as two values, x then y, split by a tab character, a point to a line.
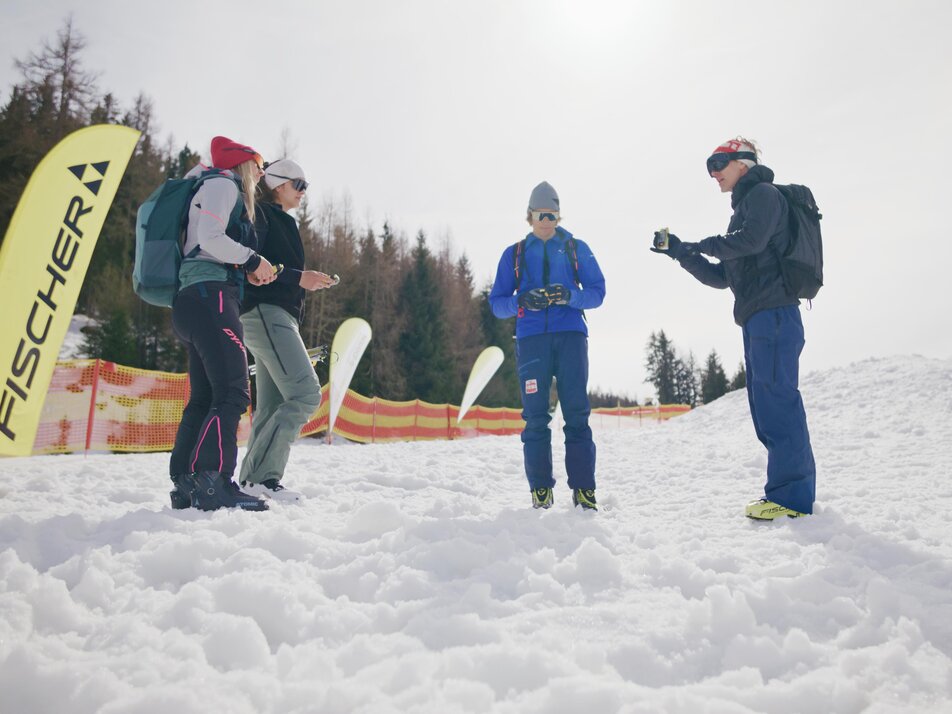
558	294
534	299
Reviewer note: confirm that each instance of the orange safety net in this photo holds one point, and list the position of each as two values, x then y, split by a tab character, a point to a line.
94	405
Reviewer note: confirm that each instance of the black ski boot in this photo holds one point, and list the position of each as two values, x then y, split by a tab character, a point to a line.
181	494
214	491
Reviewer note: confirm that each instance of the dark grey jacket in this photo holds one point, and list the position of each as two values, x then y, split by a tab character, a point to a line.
748	253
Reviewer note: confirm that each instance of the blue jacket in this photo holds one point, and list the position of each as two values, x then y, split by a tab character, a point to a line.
557	318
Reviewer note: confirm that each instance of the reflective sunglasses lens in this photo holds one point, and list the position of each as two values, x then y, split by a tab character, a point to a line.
542	216
300	185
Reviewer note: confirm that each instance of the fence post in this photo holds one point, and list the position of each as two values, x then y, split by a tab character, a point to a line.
92	407
373	422
416	416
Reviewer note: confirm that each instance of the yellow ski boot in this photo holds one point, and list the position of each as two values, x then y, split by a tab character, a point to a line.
764	510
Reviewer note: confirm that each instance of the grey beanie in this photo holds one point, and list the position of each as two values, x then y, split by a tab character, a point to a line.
543	196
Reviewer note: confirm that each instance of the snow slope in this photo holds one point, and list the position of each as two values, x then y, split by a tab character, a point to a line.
416	578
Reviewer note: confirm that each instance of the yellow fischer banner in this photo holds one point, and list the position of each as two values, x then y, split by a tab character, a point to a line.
43	261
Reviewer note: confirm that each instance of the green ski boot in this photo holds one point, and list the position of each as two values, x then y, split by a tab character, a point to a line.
542	498
764	510
585	497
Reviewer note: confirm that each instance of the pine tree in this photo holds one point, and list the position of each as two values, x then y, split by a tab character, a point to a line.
662	367
113	340
503	389
686	389
52	100
714	382
388	320
422	346
739	380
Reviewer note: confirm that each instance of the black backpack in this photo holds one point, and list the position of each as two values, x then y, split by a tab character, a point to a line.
801	264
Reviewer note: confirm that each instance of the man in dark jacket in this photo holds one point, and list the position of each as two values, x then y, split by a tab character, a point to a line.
769	314
546	280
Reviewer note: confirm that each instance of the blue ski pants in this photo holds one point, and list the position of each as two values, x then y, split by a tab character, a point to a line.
564	356
773	340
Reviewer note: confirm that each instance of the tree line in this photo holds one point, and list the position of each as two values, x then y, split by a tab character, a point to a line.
679	380
429	318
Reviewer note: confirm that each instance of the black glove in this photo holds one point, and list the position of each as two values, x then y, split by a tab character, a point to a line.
558	294
534	299
677	248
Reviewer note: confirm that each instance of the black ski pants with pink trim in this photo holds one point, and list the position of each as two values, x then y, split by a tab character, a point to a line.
205	318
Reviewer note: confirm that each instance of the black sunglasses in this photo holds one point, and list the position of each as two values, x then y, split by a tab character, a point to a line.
299	184
719	162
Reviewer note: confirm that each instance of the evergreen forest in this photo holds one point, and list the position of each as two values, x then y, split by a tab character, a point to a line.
430	320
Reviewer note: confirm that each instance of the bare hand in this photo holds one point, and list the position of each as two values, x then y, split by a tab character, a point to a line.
263	274
314	280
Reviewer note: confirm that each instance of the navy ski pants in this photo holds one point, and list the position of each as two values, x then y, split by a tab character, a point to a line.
773	340
205	318
563	355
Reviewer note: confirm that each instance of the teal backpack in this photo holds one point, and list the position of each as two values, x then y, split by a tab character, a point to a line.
160	235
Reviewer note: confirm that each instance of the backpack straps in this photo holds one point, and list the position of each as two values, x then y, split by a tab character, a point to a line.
573	259
519	260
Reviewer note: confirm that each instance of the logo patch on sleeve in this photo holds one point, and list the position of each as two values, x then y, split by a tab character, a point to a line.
531	386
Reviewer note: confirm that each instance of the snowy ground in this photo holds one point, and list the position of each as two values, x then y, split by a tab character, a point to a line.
415	577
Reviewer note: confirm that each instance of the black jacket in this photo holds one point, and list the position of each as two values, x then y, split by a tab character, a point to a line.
749	252
280	242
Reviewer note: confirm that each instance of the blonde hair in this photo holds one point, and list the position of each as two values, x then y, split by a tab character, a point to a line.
248	173
751	144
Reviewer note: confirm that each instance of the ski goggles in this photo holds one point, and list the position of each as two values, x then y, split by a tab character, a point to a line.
299	184
719	162
259	161
545	215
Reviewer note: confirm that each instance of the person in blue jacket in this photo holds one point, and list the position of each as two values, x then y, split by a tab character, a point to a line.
768	313
546	280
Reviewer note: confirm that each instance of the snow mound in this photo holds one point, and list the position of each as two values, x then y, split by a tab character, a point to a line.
416	577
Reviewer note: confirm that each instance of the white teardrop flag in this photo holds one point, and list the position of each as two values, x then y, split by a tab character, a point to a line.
348	347
483	370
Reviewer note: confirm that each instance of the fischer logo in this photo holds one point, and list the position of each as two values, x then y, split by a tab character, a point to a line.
80	170
532	386
37	328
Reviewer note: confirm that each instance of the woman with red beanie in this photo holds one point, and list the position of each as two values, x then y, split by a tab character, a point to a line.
219	254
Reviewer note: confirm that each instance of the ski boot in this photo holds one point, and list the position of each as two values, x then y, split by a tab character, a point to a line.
214	491
181	494
542	498
764	510
585	497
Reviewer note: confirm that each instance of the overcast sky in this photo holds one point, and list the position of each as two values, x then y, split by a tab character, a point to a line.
443	115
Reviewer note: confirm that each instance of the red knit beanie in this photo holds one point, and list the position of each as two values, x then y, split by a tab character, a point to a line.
741	146
227	154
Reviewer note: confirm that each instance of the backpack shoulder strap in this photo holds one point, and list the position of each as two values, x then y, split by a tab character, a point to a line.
572	253
519	260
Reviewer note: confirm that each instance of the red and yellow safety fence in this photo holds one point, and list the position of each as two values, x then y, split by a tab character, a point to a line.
94	405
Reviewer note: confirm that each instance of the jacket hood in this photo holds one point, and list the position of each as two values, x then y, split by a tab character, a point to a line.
758	174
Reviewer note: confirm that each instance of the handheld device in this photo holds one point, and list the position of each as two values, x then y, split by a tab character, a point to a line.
661	239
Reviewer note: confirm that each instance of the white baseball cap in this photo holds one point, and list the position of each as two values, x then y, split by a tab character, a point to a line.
282	171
